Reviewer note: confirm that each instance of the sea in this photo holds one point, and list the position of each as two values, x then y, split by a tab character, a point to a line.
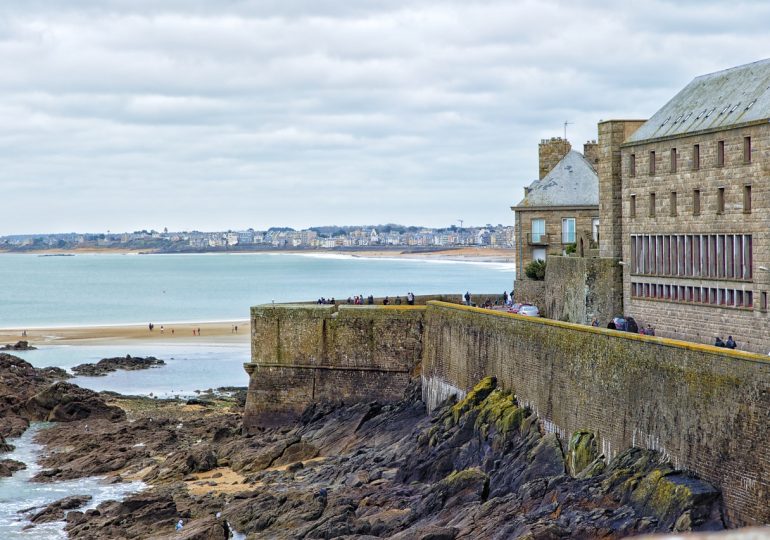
117	289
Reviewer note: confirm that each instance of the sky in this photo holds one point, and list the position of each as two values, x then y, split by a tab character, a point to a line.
229	114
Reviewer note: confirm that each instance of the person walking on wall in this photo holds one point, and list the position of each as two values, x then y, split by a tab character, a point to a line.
718	342
467	298
730	343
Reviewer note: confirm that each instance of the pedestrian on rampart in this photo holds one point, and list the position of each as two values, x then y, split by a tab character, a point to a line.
730	343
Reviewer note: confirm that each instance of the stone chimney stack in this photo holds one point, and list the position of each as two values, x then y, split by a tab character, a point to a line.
591	153
551	151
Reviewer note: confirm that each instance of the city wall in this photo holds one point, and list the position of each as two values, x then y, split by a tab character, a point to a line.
706	409
307	353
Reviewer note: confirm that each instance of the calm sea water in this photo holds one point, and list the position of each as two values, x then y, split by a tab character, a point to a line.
109	289
112	289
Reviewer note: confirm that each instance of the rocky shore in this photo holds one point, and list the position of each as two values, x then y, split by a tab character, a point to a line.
480	468
108	365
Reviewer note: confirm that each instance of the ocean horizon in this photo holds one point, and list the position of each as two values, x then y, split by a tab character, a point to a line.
103	289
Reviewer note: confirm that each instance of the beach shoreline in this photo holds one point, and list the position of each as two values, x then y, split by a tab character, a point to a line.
184	333
459	254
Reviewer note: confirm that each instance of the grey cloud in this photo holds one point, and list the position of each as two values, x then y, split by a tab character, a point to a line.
216	114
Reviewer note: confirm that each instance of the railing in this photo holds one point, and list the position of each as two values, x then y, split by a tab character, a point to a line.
538	239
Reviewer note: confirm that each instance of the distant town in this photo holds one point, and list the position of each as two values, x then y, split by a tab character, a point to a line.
327	237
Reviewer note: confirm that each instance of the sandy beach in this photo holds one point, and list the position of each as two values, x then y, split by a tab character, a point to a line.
210	332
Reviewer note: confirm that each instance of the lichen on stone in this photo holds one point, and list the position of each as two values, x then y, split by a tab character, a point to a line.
474	397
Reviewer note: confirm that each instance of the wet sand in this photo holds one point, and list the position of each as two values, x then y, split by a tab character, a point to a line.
210	333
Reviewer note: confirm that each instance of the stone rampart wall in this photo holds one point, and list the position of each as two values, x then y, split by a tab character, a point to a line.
303	354
707	409
579	289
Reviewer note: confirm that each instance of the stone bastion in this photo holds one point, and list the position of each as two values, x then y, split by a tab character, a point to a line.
705	408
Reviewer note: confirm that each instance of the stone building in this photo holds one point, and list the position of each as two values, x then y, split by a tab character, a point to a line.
558	209
685	204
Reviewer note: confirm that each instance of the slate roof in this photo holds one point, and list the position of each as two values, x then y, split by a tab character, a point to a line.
718	100
572	182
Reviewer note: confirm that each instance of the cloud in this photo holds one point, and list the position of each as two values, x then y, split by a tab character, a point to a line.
208	114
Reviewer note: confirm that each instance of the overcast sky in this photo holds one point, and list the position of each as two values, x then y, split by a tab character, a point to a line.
216	114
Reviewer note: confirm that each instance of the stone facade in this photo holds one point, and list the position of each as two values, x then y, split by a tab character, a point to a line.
552	242
612	133
705	408
550	152
699	233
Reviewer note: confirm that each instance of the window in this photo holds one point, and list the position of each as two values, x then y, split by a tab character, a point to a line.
720	153
632	207
673	160
538	231
763	301
696	157
568	230
720	200
595	229
695	202
652	162
747	149
632	165
652	204
747	199
672	203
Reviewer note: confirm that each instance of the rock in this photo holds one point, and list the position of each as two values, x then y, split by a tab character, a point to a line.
4	446
55	511
581	452
10	466
19	346
108	365
65	402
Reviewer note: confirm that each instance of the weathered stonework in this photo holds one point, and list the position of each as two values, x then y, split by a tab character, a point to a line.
529	291
303	354
579	289
699	321
612	133
550	152
706	408
551	241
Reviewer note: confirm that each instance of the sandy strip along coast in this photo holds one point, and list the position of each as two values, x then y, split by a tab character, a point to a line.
210	332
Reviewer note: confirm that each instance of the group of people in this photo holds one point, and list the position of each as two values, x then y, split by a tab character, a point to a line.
730	343
506	299
360	299
628	324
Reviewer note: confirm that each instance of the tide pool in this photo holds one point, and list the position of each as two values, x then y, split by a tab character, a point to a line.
188	367
18	493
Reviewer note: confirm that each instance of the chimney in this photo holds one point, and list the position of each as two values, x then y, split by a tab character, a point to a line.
551	151
591	153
